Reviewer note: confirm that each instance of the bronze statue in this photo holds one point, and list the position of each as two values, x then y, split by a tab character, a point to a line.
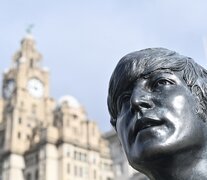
157	100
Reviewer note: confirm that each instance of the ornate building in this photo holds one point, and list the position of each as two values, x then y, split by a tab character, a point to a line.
121	167
41	139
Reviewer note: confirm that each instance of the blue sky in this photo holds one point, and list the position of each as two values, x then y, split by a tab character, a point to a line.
81	41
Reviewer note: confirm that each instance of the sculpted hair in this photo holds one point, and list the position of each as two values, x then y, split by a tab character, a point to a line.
144	62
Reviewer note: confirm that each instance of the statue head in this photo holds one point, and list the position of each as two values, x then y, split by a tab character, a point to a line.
157	101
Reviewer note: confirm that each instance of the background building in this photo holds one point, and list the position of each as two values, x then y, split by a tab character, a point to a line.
41	139
121	167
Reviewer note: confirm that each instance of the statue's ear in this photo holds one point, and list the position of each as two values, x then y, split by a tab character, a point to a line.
113	122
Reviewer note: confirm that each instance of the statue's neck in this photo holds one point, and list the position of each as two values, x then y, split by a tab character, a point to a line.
195	173
185	168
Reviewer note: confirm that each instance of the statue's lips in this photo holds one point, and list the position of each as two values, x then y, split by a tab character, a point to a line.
145	123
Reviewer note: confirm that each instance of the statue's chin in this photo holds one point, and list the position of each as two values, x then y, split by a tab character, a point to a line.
141	155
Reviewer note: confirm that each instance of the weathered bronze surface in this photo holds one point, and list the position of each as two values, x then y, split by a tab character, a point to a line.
157	100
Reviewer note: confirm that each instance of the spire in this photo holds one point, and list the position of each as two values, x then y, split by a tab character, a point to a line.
29	28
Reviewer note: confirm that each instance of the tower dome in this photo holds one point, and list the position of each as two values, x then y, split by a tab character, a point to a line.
70	100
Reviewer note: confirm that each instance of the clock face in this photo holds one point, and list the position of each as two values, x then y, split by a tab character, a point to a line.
35	87
8	88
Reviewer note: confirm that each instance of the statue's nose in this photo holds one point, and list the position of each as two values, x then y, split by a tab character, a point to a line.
141	101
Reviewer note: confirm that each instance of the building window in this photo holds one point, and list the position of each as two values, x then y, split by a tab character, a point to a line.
19	135
93	131
20	120
81	172
75	116
31	63
28	177
68	168
2	138
36	157
94	174
86	171
75	156
94	160
75	171
28	137
83	157
80	156
34	109
68	153
36	175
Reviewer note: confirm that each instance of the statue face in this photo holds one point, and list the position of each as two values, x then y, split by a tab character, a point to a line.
157	118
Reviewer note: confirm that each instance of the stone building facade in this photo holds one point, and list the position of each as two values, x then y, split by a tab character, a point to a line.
122	169
41	139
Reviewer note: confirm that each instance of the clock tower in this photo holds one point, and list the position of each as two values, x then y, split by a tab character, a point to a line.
27	105
41	139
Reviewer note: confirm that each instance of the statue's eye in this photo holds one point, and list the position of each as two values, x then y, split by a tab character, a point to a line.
163	82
